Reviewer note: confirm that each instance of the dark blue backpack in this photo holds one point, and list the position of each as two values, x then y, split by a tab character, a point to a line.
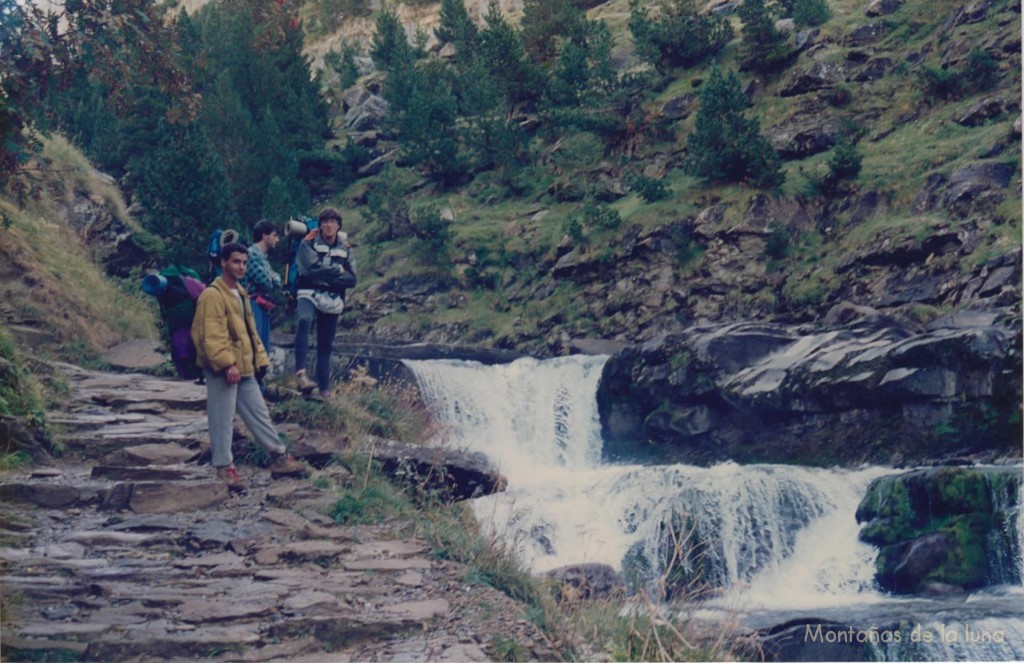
217	240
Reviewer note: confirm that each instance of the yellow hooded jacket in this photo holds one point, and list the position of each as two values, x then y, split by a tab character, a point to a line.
224	331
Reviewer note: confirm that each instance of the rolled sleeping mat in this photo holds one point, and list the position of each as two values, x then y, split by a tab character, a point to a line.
296	228
154	284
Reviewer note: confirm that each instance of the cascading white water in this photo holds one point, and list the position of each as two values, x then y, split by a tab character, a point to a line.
538	422
777	539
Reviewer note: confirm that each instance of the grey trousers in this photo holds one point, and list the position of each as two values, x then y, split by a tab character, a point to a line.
222	401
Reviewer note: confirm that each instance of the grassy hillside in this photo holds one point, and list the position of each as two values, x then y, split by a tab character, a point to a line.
55	300
496	285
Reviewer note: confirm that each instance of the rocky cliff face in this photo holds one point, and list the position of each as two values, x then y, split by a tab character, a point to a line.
872	390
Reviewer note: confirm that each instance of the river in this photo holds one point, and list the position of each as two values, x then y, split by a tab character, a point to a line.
777	542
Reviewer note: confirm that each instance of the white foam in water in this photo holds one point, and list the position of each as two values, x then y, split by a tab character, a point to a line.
779	537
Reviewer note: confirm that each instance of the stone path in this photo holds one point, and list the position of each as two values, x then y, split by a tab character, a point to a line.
127	549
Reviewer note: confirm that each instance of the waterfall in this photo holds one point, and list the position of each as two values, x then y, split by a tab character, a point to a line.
775	543
538	422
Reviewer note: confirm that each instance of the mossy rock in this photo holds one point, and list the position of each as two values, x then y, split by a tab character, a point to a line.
936	525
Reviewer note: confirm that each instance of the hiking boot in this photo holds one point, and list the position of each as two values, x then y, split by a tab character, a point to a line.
303	383
229	475
287	466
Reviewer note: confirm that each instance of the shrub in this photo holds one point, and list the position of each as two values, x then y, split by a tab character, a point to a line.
811	13
679	36
777	245
649	188
434	232
939	83
845	160
980	70
598	215
573	228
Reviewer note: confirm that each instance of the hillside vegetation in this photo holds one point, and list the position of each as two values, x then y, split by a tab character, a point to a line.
531	174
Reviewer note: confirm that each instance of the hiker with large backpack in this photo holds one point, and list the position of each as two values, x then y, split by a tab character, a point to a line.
177	289
326	269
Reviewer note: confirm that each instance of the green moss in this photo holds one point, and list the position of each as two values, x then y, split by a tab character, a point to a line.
965	503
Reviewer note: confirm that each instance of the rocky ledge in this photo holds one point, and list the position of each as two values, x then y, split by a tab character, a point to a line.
868	388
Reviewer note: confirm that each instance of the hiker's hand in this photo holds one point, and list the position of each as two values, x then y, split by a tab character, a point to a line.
232	375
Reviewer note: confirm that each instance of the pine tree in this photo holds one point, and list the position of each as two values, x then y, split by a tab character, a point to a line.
458	29
501	48
390	47
545	23
679	36
183	190
765	46
725	146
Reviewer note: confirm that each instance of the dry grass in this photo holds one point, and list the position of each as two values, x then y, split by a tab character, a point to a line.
49	279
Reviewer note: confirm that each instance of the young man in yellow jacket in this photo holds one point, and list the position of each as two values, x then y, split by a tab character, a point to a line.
231	354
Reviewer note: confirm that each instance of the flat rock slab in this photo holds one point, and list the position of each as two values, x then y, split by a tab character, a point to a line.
221	609
158	454
129	473
48	496
311	550
175	497
41	645
147	643
138	353
339	629
103	538
419	611
388	564
377	549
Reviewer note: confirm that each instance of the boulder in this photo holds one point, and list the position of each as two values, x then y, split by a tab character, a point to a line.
977	187
820	76
883	7
446	474
587	581
800	142
944	526
369	114
981	112
865	34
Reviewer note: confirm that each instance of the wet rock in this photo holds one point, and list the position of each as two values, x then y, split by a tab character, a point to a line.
829	641
943	525
764	391
447	473
587	581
